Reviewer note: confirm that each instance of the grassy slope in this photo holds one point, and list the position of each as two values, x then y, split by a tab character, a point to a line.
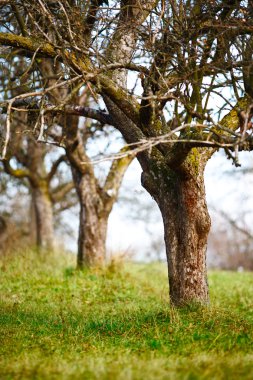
56	323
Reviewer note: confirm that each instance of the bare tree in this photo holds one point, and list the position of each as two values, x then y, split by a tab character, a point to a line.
182	57
96	198
26	159
32	213
30	164
230	246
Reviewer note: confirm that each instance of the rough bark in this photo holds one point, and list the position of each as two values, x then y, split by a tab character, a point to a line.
180	196
91	239
96	204
44	218
92	222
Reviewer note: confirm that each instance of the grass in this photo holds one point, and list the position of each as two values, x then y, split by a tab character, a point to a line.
116	323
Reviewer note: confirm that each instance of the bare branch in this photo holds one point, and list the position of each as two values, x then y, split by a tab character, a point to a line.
60	192
8	129
55	166
17	173
115	176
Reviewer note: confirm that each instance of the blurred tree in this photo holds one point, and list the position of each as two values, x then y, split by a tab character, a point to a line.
30	164
96	198
181	57
26	159
21	217
230	245
14	219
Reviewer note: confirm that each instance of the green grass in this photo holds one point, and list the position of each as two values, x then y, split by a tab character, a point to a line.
116	323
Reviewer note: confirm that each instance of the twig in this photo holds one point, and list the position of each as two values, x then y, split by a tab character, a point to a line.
149	144
8	130
42	125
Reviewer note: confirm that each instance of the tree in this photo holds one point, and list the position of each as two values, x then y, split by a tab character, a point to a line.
32	206
96	199
180	57
31	165
230	240
26	159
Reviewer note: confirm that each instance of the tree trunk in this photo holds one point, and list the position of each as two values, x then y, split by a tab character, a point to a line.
43	218
93	222
96	201
92	238
181	199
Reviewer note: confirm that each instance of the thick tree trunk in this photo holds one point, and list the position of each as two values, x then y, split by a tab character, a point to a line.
43	212
181	199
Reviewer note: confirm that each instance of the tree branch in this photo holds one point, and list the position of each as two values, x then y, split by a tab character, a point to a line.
29	44
234	224
55	166
17	173
115	177
30	103
59	193
80	64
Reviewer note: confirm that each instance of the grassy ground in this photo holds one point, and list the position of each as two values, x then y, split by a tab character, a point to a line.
56	323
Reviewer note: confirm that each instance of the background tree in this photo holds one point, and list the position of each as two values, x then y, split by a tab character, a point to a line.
27	159
31	165
181	56
14	218
96	197
230	240
20	227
